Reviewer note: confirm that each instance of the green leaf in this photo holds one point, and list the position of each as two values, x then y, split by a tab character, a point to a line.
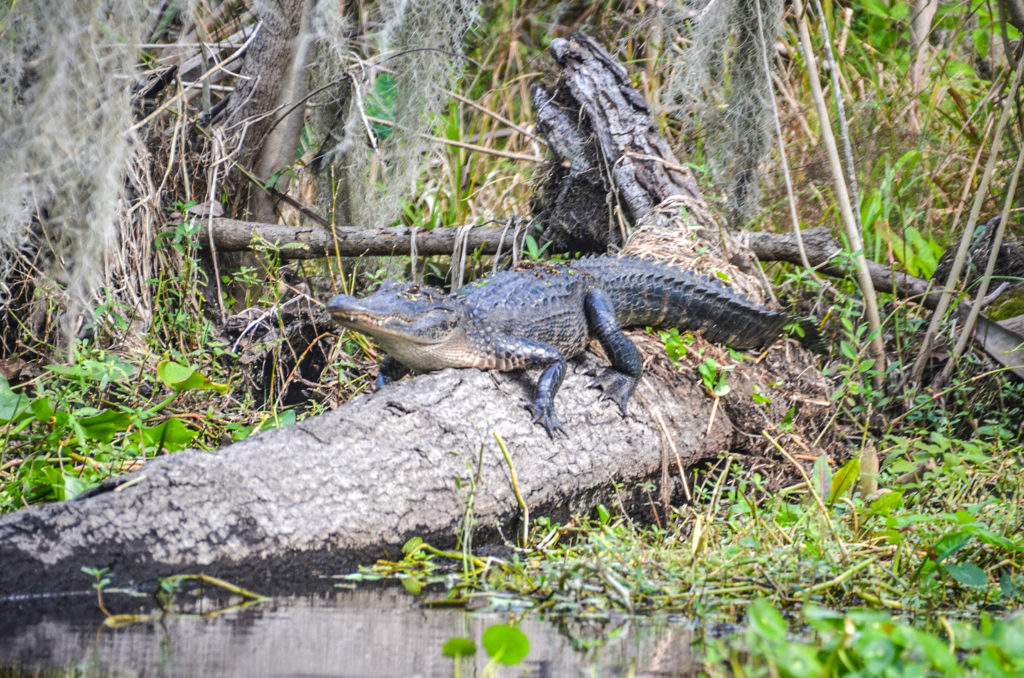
993	538
182	378
458	647
278	420
823	618
412	546
171	435
1008	587
412	585
885	504
949	544
800	660
876	651
506	644
821	476
380	103
12	405
764	621
967	574
42	410
844	479
105	425
74	486
603	515
111	369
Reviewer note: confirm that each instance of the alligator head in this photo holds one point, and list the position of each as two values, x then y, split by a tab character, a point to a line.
409	321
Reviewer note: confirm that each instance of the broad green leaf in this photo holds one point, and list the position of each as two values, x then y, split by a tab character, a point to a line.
506	644
967	574
823	618
171	435
800	661
821	476
412	585
876	651
764	621
12	405
182	378
885	504
105	425
993	538
844	479
949	544
111	369
458	647
280	420
74	486
380	103
42	410
412	545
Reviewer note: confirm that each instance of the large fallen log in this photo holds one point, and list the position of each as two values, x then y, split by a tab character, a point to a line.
351	486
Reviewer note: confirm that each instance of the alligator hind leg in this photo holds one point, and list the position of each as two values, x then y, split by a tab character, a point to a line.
619	381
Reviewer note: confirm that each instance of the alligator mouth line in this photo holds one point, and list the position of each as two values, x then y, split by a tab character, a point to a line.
364	322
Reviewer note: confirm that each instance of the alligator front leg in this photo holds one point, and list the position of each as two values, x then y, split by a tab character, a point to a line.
515	353
619	381
390	370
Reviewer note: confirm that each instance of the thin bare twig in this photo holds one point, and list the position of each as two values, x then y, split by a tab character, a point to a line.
990	267
843	199
972	221
202	78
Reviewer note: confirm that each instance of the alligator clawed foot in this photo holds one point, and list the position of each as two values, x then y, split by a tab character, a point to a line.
615	386
544	413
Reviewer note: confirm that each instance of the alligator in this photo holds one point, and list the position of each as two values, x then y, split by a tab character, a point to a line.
540	315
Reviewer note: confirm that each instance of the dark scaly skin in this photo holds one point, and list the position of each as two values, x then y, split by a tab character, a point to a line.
539	316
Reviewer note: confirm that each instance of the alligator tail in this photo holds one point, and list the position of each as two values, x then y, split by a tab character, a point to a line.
649	293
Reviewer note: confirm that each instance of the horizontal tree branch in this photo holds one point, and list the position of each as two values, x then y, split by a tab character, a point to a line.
822	250
311	242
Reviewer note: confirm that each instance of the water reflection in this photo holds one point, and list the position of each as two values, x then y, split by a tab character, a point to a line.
345	633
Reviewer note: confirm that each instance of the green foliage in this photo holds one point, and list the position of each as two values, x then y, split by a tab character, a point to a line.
85	421
505	644
676	344
868	643
458	647
713	375
380	103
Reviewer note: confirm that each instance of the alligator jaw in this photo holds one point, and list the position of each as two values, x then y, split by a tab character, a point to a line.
391	315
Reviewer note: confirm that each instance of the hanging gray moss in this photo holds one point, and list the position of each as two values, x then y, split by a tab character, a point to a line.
65	79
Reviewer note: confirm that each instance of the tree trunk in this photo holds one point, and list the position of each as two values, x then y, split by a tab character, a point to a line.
268	103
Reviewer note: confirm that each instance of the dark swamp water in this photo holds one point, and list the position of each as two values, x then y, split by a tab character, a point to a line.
371	632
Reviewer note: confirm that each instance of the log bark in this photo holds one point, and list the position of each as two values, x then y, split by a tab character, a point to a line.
291	505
